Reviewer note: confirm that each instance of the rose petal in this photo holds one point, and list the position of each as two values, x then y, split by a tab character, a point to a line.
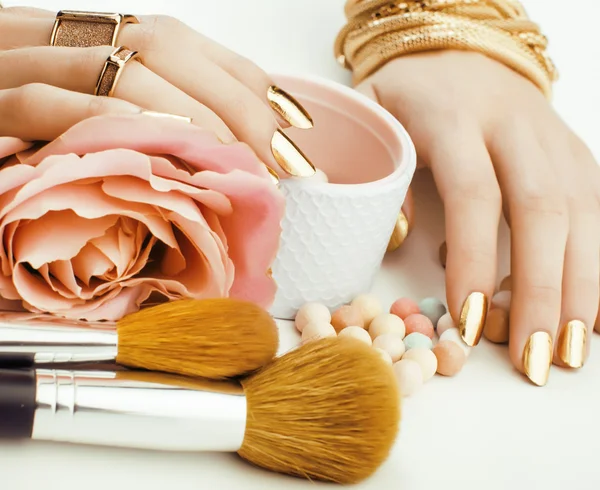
253	225
199	148
35	291
165	194
56	236
90	262
90	202
63	271
55	285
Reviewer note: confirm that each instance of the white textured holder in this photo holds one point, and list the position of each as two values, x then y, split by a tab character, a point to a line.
335	234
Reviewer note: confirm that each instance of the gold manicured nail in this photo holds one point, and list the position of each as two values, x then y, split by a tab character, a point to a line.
289	157
289	108
572	342
167	116
399	234
274	176
537	358
472	318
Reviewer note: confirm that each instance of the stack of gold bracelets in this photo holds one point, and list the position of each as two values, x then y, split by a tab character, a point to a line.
381	30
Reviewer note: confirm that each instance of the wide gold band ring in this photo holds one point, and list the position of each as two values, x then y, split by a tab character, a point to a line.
75	29
112	70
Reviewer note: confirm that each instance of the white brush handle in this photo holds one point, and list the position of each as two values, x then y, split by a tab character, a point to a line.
45	340
138	410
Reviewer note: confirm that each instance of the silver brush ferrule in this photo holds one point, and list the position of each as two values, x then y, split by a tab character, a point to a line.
47	340
139	410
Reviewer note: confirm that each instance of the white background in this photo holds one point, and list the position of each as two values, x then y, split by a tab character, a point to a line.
486	428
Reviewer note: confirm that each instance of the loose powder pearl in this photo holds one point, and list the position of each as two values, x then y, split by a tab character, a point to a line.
347	316
433	309
426	359
358	333
409	377
404	307
506	284
312	312
317	330
453	335
369	306
419	323
445	323
502	300
386	323
392	344
385	356
450	357
415	340
496	328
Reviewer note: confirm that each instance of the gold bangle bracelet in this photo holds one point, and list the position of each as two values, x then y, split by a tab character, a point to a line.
378	31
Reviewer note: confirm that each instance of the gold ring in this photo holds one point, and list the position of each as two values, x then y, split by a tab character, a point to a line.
113	67
75	29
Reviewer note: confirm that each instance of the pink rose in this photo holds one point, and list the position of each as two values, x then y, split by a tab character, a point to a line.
106	218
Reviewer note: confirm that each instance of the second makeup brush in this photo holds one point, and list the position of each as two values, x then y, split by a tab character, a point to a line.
213	339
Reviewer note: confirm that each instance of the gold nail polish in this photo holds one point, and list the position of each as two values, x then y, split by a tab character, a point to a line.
537	358
166	115
399	234
472	318
289	108
289	157
274	176
572	342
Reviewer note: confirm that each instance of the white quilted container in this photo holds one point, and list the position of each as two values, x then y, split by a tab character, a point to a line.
335	234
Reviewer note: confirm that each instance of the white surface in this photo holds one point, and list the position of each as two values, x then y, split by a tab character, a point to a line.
486	428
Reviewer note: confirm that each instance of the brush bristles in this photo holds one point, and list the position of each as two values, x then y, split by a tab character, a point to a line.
328	411
214	339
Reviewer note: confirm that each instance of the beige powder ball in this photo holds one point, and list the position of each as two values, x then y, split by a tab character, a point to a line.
357	333
451	358
386	324
426	359
312	312
409	377
369	306
317	330
392	344
385	356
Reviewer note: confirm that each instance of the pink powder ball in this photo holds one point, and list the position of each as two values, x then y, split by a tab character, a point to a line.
404	307
417	323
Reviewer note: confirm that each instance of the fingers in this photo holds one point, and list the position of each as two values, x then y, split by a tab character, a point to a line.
24	26
465	179
78	69
581	283
166	45
539	224
38	112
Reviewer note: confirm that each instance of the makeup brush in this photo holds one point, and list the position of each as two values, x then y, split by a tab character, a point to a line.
329	410
213	338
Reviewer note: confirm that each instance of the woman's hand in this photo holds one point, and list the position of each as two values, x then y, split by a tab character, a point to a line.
183	73
494	144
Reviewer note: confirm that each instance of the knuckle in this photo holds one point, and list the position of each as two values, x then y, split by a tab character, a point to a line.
543	295
542	201
25	96
79	67
150	33
19	102
481	191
